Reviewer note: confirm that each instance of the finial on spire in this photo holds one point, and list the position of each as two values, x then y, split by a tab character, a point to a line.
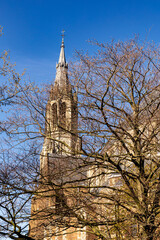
63	35
62	59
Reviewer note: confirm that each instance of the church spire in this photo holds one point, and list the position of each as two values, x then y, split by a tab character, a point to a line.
61	81
62	59
61	113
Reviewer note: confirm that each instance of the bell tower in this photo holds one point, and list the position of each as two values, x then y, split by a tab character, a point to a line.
61	115
52	205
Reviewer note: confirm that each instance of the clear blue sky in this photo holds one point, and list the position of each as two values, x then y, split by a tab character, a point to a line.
32	28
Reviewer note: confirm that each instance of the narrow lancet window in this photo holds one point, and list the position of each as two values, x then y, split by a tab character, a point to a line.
60	203
62	113
54	114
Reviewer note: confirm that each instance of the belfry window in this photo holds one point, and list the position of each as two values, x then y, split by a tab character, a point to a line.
62	114
54	114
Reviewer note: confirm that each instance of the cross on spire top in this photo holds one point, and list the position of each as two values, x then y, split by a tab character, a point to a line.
63	35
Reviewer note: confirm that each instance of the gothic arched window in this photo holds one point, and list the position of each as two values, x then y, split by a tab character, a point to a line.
62	114
54	114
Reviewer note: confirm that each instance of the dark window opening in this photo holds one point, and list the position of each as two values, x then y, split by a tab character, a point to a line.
54	113
62	114
60	203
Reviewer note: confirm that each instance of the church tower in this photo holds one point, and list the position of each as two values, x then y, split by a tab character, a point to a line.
61	120
59	161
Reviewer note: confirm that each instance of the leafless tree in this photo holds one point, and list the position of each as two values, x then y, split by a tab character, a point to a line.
114	188
14	205
119	123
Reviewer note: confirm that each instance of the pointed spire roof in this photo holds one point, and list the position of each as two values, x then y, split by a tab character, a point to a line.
61	80
62	59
